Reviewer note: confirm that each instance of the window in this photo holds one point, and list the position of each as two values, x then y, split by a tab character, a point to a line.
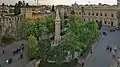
112	15
84	19
96	20
105	22
79	13
84	13
100	14
96	14
93	14
105	14
89	13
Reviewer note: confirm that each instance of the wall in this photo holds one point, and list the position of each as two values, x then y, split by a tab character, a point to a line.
10	25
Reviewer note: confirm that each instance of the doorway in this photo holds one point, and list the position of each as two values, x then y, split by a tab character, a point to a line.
111	23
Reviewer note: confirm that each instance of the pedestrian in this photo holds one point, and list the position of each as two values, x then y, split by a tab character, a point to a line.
91	50
110	49
21	56
113	53
107	48
82	64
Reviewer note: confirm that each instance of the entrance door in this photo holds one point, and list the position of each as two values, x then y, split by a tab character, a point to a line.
111	23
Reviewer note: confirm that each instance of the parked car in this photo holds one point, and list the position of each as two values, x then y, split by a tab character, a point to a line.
9	61
112	30
117	28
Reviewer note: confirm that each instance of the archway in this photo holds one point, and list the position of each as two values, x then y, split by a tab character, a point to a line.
111	23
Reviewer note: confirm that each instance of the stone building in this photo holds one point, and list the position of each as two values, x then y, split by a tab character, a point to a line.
35	12
9	25
104	14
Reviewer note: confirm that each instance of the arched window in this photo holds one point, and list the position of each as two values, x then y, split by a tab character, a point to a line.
105	14
79	13
100	14
84	19
105	22
96	14
89	13
112	15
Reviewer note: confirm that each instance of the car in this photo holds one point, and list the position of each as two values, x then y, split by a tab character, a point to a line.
112	30
9	61
117	28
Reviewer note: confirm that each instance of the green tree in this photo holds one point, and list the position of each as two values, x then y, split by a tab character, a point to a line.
32	46
33	27
80	35
50	23
17	8
45	50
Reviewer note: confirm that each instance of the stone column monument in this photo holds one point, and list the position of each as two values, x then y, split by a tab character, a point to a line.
57	28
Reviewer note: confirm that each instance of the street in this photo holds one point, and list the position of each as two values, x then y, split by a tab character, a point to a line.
8	53
100	57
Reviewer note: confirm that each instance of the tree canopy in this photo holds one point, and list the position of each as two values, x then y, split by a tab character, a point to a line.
32	41
79	36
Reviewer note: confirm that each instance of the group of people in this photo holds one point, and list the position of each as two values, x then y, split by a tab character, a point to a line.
113	50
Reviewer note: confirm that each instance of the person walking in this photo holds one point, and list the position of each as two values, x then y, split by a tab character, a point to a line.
110	49
113	53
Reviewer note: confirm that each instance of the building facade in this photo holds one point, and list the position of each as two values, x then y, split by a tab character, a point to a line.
10	25
104	14
35	12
